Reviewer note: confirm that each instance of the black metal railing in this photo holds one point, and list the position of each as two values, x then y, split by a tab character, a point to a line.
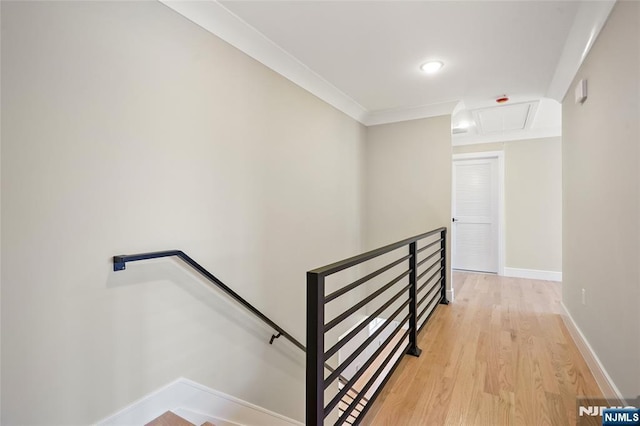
404	293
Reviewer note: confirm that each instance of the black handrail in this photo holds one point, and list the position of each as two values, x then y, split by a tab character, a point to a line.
119	264
355	260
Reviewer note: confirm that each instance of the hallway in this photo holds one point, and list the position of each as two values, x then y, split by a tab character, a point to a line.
502	356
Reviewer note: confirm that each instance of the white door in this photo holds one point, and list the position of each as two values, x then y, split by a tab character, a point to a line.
475	215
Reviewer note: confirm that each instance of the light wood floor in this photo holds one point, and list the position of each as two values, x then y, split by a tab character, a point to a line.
499	355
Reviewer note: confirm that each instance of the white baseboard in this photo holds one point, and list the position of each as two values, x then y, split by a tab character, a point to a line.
450	295
606	385
533	274
188	396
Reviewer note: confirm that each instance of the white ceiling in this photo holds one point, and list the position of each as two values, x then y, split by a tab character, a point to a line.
372	51
363	56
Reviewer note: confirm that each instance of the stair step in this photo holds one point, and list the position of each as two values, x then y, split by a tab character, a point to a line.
172	419
169	419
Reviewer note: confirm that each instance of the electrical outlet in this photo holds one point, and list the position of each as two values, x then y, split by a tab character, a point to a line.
584	296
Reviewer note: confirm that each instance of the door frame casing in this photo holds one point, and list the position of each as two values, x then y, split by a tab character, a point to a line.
499	155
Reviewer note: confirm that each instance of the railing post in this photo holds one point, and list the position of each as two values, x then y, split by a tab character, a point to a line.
315	350
443	246
413	304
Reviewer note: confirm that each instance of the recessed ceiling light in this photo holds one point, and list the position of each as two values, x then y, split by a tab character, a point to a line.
431	67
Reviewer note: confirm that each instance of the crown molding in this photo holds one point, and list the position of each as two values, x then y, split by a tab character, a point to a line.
516	135
591	17
221	22
404	114
218	20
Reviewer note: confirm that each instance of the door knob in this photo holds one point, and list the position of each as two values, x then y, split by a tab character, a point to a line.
454	220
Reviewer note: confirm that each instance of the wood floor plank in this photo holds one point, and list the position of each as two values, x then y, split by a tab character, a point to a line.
499	355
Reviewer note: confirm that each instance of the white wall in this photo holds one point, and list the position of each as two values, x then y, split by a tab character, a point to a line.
126	128
533	201
601	189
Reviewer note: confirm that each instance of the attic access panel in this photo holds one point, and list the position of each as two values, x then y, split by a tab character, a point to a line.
505	118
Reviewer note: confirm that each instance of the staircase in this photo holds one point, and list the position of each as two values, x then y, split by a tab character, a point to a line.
346	401
412	297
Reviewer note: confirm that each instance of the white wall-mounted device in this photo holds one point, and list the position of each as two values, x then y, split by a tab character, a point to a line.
581	91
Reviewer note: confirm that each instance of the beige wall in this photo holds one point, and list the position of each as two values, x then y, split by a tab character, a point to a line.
533	201
601	199
408	176
533	204
126	128
483	147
